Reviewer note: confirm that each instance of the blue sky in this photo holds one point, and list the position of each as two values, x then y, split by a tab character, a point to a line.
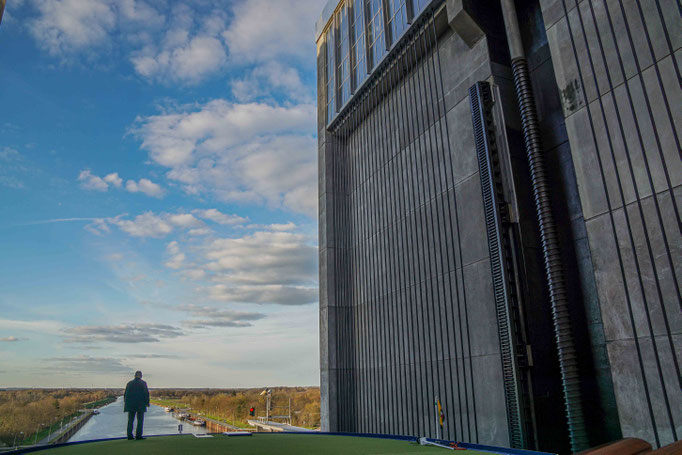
158	193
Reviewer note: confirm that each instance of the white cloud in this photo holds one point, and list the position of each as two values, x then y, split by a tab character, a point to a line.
283	227
8	154
194	274
219	317
11	182
145	186
184	137
263	30
269	78
90	181
87	364
177	44
99	226
113	179
274	227
184	220
173	247
183	42
282	295
64	27
123	333
177	258
38	326
217	217
255	152
189	61
267	258
146	225
263	267
157	225
72	29
199	231
13	169
176	261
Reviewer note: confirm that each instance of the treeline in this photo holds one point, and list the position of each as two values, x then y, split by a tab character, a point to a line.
30	411
232	405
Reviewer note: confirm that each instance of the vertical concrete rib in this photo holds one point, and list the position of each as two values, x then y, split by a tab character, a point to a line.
415	264
383	263
438	120
408	245
425	192
394	267
455	217
436	320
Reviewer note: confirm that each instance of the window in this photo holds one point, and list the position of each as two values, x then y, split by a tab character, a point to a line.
343	56
419	5
331	71
375	31
357	26
397	18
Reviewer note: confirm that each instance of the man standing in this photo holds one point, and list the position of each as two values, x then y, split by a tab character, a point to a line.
136	399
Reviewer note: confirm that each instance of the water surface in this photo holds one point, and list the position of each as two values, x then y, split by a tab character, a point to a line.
112	423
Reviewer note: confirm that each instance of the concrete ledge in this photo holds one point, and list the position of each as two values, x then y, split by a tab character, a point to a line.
463	23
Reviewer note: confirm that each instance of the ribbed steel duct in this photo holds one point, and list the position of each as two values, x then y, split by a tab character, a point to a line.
568	362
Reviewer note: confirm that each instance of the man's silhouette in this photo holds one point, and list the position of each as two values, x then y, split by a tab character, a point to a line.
136	399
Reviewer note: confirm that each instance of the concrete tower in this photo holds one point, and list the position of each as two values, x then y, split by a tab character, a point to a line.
519	260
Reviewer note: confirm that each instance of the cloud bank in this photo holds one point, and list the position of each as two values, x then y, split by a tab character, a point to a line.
248	153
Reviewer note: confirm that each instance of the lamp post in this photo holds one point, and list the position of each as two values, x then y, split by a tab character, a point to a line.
49	433
15	438
35	441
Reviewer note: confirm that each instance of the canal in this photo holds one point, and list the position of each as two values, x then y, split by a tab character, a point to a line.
111	422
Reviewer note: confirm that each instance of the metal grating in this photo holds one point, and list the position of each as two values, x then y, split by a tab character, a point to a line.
500	256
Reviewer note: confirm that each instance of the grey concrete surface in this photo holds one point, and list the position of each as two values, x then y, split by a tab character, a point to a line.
614	64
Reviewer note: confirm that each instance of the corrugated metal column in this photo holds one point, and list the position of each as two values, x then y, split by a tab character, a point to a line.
568	362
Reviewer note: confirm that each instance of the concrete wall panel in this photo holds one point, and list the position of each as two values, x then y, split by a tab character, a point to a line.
619	56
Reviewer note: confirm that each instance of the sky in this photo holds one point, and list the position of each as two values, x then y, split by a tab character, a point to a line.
158	193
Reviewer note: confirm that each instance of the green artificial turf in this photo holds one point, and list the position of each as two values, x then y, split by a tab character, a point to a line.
276	444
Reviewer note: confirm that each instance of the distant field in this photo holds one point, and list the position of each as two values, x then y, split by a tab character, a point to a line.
275	444
169	403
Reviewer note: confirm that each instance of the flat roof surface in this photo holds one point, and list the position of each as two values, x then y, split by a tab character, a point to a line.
276	444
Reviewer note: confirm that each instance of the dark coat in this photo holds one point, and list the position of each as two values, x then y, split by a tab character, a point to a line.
136	396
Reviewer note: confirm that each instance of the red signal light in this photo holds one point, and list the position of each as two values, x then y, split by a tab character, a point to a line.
252	411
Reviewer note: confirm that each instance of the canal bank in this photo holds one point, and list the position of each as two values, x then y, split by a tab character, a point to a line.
71	429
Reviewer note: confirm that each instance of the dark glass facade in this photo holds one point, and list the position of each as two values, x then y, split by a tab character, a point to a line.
397	18
359	35
376	37
359	43
331	73
343	56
